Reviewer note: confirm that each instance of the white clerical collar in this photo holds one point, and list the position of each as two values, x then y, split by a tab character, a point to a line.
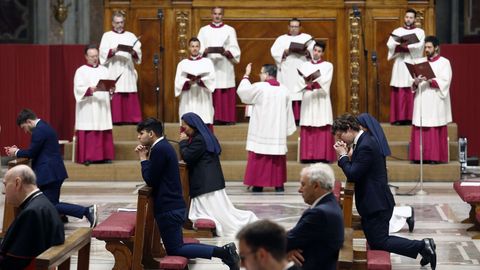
358	136
319	199
159	139
29	194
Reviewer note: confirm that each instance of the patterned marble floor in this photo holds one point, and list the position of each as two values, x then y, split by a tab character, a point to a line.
438	215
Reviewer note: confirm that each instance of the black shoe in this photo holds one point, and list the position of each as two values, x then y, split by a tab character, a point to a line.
86	163
411	221
429	255
257	189
280	189
232	259
92	215
64	218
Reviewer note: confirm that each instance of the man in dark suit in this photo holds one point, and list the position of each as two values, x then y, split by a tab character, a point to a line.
373	199
47	162
262	246
318	236
160	171
37	225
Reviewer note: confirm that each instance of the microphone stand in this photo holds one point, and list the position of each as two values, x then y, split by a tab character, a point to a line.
421	191
162	117
157	86
356	13
377	84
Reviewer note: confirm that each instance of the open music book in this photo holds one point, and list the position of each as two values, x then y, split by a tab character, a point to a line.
310	78
422	68
127	48
296	47
106	85
409	39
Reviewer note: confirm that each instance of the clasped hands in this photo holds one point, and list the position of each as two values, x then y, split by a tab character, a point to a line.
142	152
10	150
341	148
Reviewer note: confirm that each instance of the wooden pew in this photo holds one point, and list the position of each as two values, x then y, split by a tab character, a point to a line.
59	256
9	211
134	240
345	256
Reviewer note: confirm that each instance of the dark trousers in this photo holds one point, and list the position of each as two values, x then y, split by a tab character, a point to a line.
170	225
52	192
375	226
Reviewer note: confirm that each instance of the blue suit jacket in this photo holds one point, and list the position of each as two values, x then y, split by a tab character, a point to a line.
161	172
367	168
319	233
44	151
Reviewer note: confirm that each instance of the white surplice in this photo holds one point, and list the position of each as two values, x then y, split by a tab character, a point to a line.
122	63
271	120
400	75
226	37
217	207
91	112
316	104
287	68
434	104
197	99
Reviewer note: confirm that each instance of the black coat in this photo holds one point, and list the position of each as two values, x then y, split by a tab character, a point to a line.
204	169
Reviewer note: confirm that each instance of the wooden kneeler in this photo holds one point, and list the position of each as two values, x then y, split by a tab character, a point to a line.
208	231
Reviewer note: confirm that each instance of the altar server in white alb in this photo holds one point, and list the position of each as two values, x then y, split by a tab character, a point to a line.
288	59
314	80
401	95
195	83
120	61
432	109
218	42
270	123
93	117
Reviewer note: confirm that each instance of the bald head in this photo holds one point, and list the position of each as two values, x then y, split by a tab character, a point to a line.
19	182
24	172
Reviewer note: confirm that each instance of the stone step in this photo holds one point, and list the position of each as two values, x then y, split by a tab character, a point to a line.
235	150
234	171
239	131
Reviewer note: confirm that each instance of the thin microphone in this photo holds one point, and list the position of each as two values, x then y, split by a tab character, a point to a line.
155	60
356	12
160	14
374	58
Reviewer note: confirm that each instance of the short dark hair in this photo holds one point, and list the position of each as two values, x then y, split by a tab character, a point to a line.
411	10
270	69
24	115
344	122
90	46
215	7
193	39
321	44
294	19
151	124
265	234
433	40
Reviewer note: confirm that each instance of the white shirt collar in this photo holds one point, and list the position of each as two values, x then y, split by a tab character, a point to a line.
36	121
358	136
159	139
319	199
289	264
29	194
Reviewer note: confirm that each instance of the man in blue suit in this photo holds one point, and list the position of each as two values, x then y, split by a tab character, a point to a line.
315	241
160	171
366	166
47	163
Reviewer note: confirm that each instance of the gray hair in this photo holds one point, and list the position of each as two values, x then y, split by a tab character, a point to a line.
25	173
320	173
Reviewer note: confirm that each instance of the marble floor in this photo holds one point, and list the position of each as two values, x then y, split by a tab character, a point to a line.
438	215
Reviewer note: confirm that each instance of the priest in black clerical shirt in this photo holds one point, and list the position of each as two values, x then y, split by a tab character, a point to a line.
37	225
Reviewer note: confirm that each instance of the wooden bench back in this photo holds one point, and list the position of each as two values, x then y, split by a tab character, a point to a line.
59	256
